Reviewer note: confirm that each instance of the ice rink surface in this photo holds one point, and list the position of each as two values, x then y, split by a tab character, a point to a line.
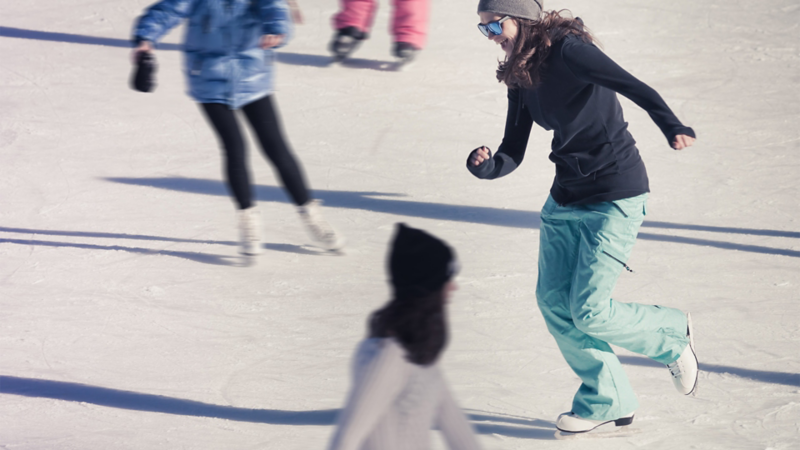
127	320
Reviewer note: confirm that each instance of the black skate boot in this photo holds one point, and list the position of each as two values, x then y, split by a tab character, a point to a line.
345	42
405	53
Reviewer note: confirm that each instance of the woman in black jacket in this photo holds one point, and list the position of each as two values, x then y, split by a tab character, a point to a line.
558	79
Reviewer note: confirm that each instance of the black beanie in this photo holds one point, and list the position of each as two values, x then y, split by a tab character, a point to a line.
419	262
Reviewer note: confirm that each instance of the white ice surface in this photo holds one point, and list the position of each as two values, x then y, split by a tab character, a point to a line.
128	322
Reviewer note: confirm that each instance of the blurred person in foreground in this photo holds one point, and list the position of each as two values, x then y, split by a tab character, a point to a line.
558	79
398	392
229	62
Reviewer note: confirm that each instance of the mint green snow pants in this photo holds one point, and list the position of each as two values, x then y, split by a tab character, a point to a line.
582	251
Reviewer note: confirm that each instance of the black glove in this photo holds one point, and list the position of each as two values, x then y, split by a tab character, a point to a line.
143	78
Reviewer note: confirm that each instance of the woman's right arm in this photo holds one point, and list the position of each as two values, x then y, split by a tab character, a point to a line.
377	384
509	156
159	18
276	20
453	423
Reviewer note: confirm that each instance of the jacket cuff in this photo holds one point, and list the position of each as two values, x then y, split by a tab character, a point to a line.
136	40
681	130
276	28
483	170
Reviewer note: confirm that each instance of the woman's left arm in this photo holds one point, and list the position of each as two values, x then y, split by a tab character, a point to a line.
276	23
588	63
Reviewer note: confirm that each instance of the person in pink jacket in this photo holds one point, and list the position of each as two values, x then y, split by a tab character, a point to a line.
353	23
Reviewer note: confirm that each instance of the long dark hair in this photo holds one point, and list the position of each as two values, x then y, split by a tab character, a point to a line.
534	39
417	322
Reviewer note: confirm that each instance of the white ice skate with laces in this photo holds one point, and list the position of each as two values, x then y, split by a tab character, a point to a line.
250	232
685	371
319	229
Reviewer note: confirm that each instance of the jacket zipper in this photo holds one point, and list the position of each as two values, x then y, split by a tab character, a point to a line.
617	260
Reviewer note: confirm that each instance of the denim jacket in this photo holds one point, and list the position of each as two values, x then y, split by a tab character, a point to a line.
223	61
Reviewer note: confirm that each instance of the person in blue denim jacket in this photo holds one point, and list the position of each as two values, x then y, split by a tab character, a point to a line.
229	49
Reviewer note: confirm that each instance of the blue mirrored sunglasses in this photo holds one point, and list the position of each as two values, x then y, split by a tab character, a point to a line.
495	27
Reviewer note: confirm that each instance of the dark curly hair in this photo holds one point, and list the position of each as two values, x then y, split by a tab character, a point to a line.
417	322
534	39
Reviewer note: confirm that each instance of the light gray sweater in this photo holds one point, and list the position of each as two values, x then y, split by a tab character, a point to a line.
394	404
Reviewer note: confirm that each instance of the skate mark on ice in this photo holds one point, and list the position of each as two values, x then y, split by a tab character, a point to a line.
7	137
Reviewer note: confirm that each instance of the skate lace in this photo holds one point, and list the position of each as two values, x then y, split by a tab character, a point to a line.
321	229
675	369
249	228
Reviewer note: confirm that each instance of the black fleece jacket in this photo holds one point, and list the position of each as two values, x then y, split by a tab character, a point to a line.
595	156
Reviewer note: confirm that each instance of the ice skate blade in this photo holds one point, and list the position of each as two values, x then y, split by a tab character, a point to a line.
317	249
601	432
334	251
341	57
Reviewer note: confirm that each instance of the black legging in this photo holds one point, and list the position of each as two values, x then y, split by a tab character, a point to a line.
264	121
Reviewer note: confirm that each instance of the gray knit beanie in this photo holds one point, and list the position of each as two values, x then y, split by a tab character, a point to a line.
524	9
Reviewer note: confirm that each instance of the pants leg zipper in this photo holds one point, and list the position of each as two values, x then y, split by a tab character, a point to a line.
617	260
